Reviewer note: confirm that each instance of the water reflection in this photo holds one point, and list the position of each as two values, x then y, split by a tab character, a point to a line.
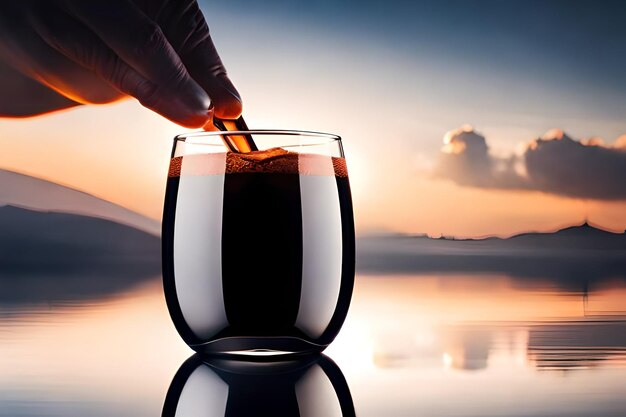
28	289
445	345
480	323
580	345
553	346
311	387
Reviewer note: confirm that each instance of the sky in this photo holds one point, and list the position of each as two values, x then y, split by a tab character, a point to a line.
393	79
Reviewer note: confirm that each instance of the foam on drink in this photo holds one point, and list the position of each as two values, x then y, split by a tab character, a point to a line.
270	161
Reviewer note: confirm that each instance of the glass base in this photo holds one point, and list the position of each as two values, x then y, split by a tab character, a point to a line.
259	348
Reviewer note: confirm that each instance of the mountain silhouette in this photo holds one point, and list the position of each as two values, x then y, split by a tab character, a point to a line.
583	236
571	256
34	193
47	256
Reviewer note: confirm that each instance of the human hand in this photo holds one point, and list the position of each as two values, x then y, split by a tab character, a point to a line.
60	53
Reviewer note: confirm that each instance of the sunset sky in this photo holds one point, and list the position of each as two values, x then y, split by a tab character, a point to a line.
393	78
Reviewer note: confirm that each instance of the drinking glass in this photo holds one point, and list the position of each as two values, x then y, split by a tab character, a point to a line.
258	248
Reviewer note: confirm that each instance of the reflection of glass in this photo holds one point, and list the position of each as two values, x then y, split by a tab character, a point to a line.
258	248
220	387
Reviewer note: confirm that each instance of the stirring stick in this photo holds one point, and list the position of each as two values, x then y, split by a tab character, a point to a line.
235	143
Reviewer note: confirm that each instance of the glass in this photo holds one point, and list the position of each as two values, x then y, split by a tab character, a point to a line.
258	248
222	387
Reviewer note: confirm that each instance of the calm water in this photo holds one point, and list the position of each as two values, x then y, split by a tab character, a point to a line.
412	346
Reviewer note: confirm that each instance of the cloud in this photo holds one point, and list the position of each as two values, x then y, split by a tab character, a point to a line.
554	163
466	160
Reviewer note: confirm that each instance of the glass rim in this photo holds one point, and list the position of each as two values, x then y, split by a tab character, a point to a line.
279	132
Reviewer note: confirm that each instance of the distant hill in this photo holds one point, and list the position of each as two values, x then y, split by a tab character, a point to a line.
55	256
33	193
583	236
577	252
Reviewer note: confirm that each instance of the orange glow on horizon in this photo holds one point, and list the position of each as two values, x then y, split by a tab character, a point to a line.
121	153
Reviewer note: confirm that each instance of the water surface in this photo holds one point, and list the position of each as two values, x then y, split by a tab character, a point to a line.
413	345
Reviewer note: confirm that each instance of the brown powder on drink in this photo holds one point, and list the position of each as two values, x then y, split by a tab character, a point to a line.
175	167
271	161
275	160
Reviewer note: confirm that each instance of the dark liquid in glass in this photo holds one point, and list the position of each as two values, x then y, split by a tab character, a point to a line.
258	250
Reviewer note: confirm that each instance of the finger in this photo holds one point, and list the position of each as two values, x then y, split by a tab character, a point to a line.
185	27
21	96
77	42
54	71
139	42
31	56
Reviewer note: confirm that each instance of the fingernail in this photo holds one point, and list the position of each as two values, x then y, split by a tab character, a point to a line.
195	103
